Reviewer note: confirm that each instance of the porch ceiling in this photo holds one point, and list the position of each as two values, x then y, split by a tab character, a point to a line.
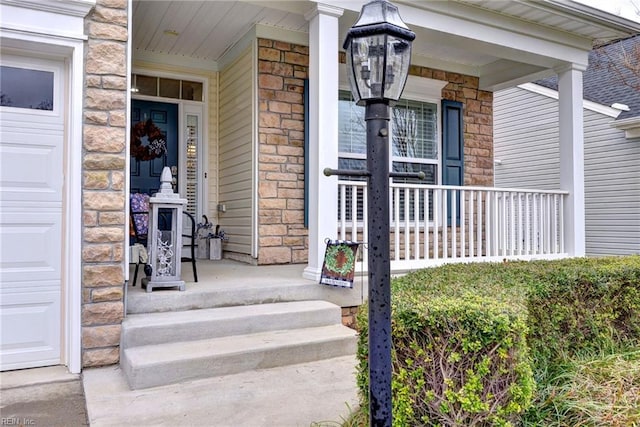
201	32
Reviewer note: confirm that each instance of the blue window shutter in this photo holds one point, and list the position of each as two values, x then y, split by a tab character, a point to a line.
452	150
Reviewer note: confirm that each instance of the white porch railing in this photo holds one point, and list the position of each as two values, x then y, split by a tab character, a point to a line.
436	224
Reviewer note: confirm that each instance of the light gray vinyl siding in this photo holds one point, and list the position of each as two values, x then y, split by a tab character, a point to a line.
612	188
236	152
526	140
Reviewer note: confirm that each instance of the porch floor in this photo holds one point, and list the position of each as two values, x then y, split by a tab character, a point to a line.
226	282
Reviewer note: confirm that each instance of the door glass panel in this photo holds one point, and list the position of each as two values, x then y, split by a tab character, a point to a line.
192	164
26	88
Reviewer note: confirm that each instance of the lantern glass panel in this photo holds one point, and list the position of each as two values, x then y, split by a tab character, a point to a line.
397	66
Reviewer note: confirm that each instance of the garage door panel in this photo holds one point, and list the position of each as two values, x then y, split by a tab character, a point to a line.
32	157
30	170
30	247
29	337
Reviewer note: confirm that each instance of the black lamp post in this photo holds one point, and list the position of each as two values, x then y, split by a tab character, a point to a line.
378	48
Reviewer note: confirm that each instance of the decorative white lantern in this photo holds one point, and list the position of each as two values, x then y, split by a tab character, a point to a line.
165	237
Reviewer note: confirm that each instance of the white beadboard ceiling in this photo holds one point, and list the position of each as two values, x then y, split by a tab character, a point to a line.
204	30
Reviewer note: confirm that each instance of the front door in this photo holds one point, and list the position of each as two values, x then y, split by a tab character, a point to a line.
32	149
154	144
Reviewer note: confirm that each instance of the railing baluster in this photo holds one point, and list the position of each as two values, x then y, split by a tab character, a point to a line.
396	223
489	221
407	225
416	223
463	228
354	214
554	212
445	224
503	225
512	231
543	224
437	210
527	227
343	211
549	225
520	225
454	223
534	223
479	222
471	224
426	223
365	223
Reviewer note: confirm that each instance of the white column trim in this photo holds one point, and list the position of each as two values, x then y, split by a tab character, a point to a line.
571	137
323	132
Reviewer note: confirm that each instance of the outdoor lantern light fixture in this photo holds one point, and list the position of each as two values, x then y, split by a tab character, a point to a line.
378	50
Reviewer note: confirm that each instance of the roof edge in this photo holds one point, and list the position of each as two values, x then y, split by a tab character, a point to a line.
630	126
586	104
597	16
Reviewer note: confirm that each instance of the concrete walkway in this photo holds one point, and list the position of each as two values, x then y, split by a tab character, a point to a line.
318	394
312	394
42	397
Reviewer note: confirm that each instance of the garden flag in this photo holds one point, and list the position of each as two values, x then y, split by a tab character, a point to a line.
338	268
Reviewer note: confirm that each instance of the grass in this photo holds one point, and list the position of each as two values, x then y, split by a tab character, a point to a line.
591	391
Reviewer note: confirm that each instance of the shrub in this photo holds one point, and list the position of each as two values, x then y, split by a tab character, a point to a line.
583	306
461	335
456	361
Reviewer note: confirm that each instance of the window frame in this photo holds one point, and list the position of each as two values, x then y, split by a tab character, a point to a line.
417	89
420	89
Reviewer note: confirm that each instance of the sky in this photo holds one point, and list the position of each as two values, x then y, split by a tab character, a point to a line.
625	8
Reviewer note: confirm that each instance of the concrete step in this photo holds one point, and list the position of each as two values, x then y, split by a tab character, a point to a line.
166	327
199	296
161	364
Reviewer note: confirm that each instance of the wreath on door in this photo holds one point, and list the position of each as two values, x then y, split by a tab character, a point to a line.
156	143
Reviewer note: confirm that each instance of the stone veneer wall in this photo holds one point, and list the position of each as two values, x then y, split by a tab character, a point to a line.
282	69
103	186
478	122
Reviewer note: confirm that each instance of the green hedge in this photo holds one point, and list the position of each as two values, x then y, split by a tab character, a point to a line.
583	306
467	337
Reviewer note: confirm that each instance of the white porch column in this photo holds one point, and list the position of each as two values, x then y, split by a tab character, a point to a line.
323	131
571	125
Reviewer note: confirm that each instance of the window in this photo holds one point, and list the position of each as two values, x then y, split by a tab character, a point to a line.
414	144
26	88
167	88
414	140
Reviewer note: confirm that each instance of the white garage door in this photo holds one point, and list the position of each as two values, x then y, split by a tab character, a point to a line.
31	199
